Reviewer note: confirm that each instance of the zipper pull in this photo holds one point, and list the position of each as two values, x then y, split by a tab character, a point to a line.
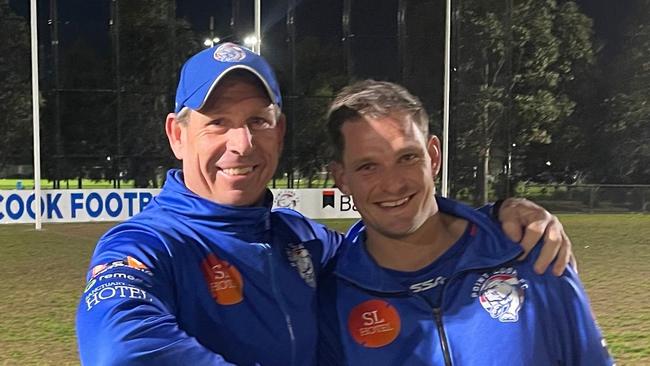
437	314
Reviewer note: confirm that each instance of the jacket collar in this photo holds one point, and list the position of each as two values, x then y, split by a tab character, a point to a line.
177	198
355	264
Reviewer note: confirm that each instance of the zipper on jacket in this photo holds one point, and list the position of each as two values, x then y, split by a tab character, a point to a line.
437	314
278	299
437	311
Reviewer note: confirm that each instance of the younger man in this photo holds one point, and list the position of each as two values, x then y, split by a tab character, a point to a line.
429	281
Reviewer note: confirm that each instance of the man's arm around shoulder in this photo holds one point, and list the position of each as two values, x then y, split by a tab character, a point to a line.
580	339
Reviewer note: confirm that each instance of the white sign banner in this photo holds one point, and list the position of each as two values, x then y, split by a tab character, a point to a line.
78	205
317	203
85	205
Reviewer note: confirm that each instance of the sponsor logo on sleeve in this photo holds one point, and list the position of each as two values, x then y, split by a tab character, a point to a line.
501	294
128	262
90	285
374	323
300	259
114	290
98	269
134	263
224	280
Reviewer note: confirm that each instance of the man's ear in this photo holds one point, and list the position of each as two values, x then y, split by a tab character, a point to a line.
281	130
338	171
176	135
433	148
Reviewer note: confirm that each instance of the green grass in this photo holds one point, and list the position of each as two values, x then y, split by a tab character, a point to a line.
614	263
42	277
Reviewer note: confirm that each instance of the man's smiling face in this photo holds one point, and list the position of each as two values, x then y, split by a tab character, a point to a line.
230	149
389	167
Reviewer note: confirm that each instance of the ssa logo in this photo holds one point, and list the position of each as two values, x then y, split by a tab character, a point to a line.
428	284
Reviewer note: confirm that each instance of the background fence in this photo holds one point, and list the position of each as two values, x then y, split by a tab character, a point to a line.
546	92
589	197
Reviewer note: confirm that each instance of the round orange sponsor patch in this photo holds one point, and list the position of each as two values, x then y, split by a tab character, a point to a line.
224	280
374	323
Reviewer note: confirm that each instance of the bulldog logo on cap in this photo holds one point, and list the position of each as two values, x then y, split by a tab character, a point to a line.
229	52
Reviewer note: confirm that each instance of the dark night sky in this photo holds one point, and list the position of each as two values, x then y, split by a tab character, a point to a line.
609	21
90	16
609	16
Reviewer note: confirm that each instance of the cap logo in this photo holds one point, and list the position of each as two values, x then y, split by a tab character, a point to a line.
229	52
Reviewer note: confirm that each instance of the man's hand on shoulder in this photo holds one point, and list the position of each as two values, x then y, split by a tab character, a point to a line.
526	222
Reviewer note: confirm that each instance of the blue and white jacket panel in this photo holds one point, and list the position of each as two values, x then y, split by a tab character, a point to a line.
192	282
494	310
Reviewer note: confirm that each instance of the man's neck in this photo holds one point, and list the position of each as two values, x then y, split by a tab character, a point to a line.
418	249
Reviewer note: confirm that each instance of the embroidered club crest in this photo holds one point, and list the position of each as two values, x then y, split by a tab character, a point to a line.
501	294
229	52
300	259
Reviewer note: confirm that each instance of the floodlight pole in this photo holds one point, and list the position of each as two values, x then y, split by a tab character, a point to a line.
36	116
445	112
258	27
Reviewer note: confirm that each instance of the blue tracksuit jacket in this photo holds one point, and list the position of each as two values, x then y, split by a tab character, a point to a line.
191	282
493	310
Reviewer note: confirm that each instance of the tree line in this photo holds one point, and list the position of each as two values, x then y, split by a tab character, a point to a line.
534	97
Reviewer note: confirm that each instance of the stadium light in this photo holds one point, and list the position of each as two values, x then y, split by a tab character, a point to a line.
250	41
209	42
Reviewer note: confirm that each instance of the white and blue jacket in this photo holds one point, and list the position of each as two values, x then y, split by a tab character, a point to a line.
192	282
493	310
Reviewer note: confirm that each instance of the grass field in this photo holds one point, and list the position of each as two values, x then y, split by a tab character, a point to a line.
42	279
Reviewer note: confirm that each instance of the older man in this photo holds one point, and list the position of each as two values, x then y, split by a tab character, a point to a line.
426	280
208	274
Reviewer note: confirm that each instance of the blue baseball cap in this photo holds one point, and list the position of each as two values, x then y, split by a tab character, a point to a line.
203	71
